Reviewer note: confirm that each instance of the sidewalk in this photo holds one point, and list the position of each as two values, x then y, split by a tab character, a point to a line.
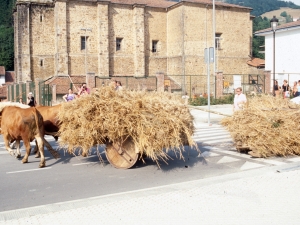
252	197
215	114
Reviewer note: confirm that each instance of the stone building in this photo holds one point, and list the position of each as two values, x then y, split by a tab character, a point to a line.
128	38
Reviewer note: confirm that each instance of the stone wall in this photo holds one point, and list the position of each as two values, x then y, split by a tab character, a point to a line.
50	42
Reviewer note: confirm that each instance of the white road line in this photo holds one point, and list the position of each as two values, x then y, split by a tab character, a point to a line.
214	141
22	171
210	133
80	164
209	137
2	153
269	161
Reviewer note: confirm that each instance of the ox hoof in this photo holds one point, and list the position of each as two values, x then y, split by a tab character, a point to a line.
18	156
41	165
37	155
84	154
24	160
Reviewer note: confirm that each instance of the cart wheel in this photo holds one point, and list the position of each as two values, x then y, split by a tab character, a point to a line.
122	155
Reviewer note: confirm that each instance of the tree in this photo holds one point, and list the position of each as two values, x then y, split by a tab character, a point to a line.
283	14
259	23
6	34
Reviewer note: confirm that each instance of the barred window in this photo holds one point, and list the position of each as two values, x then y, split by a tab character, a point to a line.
154	46
118	43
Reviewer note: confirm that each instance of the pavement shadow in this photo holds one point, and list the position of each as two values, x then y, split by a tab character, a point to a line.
191	158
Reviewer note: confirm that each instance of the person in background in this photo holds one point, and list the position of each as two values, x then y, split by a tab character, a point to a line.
285	89
119	86
298	89
276	88
114	84
295	89
83	90
21	101
185	97
30	100
70	96
239	99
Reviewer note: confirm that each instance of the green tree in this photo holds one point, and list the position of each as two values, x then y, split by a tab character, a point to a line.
259	23
283	14
6	34
289	18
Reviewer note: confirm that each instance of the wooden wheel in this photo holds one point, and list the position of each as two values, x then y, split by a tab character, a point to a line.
122	155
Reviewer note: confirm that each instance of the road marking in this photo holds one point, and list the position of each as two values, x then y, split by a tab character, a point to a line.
22	171
227	159
210	138
269	161
218	141
208	154
294	159
250	165
210	134
80	164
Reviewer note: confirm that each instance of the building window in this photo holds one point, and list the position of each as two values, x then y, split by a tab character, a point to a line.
154	46
118	43
41	62
83	40
218	41
41	18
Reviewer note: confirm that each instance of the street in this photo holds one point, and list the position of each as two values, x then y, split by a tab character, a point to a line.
75	177
75	181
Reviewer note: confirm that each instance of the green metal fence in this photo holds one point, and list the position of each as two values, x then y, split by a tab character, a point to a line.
45	94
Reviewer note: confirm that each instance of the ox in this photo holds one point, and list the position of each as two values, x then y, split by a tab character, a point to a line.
24	124
51	123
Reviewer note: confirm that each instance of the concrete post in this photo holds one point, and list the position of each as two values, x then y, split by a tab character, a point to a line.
268	87
160	82
37	94
219	84
54	99
90	80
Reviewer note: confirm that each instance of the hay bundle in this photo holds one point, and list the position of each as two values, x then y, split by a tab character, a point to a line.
154	121
267	126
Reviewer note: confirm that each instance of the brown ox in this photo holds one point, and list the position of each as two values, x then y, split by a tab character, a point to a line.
24	124
51	123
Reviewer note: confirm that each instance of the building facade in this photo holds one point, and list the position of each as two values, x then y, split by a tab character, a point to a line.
128	38
287	50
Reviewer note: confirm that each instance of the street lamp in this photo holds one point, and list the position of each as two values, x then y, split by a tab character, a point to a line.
274	24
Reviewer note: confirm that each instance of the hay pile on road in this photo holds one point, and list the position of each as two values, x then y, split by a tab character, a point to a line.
267	126
155	121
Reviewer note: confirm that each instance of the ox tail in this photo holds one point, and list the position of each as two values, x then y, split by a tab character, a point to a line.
54	153
39	120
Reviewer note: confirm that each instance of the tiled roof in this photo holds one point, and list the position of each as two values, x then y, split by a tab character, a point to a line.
283	26
166	4
63	83
2	70
256	62
151	3
9	77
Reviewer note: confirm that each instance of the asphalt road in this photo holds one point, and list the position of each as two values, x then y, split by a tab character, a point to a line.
74	177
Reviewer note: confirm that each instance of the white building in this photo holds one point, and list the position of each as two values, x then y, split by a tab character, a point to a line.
287	52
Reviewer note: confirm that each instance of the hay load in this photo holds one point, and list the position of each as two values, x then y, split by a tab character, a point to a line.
268	126
154	122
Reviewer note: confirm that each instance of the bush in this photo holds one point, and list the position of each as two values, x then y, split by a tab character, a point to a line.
227	99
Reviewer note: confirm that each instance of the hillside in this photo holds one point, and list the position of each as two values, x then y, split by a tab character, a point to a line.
295	13
261	6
